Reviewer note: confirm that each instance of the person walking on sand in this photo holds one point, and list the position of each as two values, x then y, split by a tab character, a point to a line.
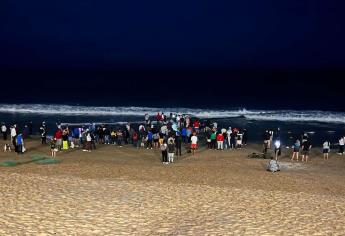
341	146
296	148
306	146
194	143
326	146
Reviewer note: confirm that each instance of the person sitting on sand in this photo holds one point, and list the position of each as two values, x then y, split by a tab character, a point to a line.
306	146
273	165
296	148
326	146
194	141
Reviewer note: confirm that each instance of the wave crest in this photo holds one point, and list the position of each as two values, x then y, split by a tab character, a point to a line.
268	115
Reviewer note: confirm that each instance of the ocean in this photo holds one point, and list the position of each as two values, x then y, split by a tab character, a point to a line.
320	125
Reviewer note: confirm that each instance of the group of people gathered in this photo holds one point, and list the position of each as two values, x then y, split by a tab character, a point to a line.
301	145
166	133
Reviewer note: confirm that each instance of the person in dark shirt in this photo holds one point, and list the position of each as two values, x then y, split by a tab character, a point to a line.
306	146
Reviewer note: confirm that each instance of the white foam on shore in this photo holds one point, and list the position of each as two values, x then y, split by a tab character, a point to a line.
264	115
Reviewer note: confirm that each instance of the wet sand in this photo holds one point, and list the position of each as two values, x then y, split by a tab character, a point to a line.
126	191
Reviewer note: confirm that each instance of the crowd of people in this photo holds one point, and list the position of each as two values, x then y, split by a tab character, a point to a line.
166	133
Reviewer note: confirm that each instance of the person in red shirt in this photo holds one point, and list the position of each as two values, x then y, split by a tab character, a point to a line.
58	137
220	140
196	126
158	117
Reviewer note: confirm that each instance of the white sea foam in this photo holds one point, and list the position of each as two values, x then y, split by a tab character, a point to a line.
268	115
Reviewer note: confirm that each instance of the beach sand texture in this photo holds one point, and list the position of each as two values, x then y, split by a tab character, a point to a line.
125	191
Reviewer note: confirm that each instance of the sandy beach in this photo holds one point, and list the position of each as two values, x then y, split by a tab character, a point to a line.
126	191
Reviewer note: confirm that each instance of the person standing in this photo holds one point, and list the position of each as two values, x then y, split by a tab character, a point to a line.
164	151
19	144
213	140
13	135
4	131
171	150
194	145
277	149
43	132
326	146
88	142
296	148
306	146
149	139
220	140
53	148
178	142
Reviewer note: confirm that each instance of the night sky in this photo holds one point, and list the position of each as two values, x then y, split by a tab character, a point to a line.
254	54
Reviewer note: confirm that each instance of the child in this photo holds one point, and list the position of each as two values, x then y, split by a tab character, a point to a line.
194	140
53	148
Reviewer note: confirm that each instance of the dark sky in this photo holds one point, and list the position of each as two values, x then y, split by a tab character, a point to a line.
264	49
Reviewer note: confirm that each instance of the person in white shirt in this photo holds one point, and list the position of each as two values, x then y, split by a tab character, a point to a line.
13	135
325	149
4	131
194	145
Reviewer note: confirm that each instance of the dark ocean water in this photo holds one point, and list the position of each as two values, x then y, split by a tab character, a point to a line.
320	125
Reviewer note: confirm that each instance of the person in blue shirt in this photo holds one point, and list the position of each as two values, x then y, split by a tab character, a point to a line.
19	144
149	139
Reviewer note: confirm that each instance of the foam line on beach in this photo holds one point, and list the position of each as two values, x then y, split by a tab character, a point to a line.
263	115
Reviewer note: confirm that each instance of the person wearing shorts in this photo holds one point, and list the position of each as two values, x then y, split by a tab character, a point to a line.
296	148
326	146
194	143
306	146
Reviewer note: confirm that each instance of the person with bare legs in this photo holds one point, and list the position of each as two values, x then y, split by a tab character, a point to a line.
296	148
194	141
326	146
306	146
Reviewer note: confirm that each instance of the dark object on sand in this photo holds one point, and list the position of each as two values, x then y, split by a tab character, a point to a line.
268	155
257	155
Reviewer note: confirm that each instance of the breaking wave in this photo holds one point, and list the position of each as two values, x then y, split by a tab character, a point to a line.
265	115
